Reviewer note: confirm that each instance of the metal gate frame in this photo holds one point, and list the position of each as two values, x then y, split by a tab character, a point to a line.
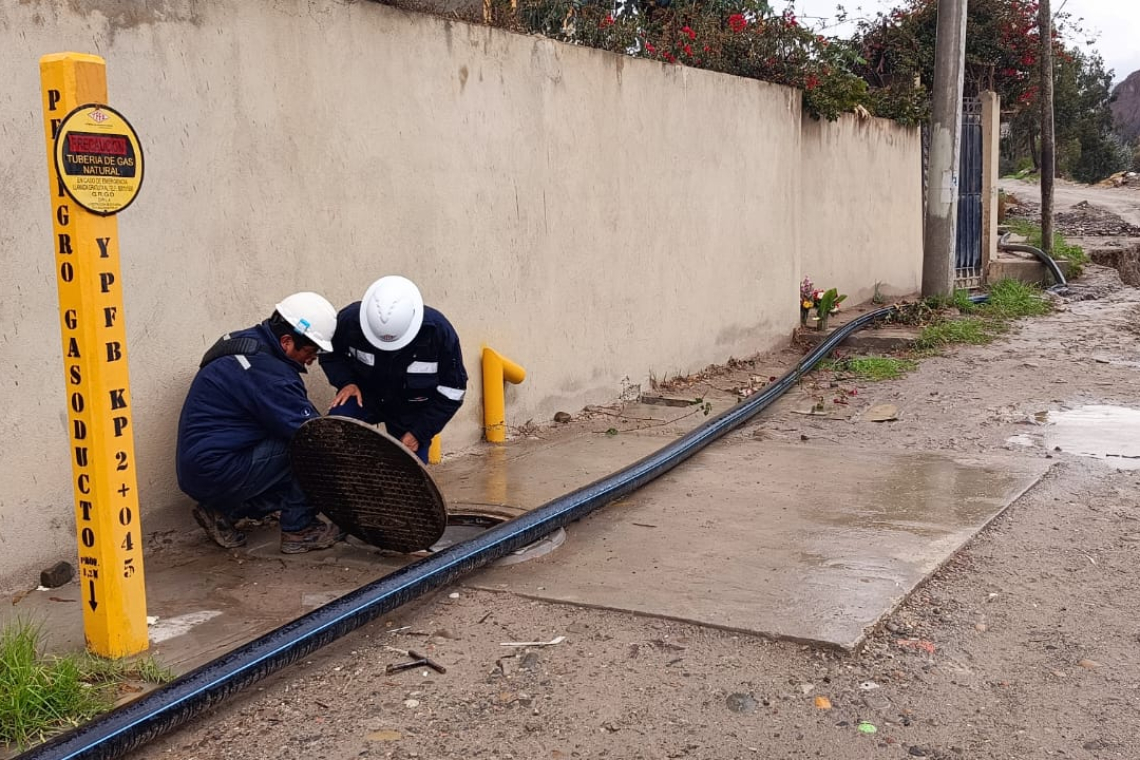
968	254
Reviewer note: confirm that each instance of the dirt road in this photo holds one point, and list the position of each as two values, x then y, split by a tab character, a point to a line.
1022	646
1122	201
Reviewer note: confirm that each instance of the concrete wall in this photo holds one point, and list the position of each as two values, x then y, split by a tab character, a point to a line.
595	218
861	206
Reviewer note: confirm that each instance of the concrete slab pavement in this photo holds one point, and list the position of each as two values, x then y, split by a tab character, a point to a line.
808	543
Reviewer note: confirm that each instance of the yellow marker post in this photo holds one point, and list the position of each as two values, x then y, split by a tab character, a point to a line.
435	451
94	170
497	369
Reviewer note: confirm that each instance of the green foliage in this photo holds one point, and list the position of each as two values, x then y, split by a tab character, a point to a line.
981	323
1013	299
828	302
971	330
1062	249
1002	47
1086	147
745	38
39	695
875	368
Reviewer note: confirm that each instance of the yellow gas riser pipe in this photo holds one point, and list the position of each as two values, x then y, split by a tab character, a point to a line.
497	370
435	451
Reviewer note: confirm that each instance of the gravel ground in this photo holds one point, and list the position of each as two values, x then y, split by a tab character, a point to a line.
1022	646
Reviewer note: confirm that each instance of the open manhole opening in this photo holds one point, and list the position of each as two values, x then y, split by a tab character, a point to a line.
463	526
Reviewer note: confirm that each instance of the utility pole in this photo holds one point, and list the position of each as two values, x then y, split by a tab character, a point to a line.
1048	137
941	229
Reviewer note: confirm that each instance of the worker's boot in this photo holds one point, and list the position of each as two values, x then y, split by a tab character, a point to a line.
218	527
319	535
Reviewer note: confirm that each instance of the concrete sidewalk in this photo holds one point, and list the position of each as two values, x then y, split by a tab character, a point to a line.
803	542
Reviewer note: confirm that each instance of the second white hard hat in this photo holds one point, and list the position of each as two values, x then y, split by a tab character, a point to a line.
391	312
311	316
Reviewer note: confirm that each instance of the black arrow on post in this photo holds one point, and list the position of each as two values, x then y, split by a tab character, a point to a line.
92	602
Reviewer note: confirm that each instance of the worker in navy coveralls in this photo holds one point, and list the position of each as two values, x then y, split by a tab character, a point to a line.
396	361
243	407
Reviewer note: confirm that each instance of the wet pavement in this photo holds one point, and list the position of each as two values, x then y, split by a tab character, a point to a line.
802	542
748	536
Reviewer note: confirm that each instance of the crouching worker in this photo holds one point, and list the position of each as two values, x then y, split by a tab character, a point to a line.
244	405
396	361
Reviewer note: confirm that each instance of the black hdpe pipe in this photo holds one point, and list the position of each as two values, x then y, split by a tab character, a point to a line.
1059	280
152	715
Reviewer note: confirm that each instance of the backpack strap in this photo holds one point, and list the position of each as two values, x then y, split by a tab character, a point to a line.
227	346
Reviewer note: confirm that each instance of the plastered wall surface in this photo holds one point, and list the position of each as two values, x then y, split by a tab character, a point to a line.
862	206
595	218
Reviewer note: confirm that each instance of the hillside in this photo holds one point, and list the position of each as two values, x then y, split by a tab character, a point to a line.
1126	107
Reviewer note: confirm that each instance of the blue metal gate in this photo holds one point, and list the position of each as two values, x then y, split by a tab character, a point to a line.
968	261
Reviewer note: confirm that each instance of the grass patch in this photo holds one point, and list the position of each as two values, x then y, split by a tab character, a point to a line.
40	695
972	330
1062	250
1013	299
875	368
1008	300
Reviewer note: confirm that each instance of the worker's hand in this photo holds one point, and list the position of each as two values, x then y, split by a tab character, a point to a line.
410	441
345	393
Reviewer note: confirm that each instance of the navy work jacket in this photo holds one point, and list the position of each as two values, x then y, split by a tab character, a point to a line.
417	389
234	403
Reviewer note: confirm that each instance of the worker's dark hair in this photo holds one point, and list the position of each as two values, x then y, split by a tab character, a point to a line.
281	327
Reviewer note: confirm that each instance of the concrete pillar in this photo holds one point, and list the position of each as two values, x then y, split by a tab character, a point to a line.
991	150
941	233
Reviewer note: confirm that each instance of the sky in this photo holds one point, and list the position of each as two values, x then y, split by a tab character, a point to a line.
1113	25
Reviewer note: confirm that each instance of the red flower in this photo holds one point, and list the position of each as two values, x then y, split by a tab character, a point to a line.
737	22
649	48
607	21
669	57
689	33
811	82
688	50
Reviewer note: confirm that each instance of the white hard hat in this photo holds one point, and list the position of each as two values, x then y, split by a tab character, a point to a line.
391	312
311	316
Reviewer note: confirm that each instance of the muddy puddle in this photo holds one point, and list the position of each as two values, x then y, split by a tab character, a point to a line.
1108	433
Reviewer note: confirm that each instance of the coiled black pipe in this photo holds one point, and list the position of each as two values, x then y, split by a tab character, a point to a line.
150	716
1059	280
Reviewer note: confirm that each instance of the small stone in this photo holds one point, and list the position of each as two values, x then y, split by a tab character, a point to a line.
529	661
741	703
982	627
916	751
57	575
411	704
562	417
1089	664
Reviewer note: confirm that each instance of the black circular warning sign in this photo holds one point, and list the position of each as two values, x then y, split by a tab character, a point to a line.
99	159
